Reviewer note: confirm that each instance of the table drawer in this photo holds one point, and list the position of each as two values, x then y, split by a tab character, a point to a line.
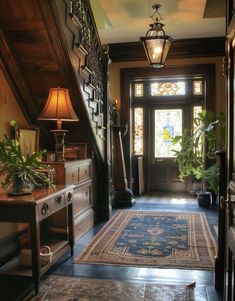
84	172
71	176
58	201
82	199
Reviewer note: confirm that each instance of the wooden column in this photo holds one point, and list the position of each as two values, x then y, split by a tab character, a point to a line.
220	256
123	196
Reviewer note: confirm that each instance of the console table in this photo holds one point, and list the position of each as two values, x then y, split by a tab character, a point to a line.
39	210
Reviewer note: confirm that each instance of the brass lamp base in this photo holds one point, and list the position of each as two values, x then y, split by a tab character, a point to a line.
59	144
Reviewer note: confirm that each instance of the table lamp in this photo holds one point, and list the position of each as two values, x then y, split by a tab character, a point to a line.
58	107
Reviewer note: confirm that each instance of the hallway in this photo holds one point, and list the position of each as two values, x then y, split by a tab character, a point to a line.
204	279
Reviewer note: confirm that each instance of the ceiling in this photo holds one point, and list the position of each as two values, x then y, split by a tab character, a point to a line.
120	21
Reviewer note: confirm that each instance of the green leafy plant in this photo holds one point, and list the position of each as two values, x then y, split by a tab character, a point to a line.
196	153
14	165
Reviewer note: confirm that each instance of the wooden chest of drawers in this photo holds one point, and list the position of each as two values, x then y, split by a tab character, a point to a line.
78	173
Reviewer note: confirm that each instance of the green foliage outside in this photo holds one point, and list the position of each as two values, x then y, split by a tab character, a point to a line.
196	155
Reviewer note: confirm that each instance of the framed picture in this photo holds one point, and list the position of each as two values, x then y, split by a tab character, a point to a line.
29	140
75	151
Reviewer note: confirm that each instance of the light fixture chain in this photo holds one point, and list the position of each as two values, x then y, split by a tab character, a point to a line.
156	16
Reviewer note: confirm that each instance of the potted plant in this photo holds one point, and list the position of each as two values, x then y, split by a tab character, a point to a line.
21	174
196	154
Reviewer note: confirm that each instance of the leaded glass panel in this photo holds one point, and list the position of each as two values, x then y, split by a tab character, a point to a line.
168	124
138	131
139	90
168	88
196	110
197	87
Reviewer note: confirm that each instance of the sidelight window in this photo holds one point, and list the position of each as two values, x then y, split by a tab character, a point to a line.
138	131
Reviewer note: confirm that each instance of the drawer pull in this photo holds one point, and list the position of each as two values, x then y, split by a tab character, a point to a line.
45	209
69	196
58	199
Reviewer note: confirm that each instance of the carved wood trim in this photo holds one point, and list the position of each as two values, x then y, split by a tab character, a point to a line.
187	48
75	80
92	64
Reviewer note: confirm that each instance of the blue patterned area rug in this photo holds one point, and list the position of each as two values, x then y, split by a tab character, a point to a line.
155	239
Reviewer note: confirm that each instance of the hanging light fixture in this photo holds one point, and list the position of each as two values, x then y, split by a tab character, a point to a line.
156	43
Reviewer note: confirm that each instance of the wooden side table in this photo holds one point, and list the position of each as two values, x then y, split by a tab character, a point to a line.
37	210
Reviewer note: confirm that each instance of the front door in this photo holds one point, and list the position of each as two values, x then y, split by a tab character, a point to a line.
161	109
166	122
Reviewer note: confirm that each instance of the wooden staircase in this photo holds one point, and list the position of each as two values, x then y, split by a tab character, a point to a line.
51	43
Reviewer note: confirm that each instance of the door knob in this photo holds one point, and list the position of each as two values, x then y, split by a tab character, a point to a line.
223	202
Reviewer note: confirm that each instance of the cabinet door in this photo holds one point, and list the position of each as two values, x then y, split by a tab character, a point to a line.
83	213
229	269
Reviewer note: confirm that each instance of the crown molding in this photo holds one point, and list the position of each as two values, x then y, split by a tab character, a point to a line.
185	48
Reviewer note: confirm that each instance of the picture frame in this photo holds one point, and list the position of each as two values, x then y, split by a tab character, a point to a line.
29	140
76	151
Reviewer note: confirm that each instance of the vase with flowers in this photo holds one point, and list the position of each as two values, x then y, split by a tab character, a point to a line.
21	174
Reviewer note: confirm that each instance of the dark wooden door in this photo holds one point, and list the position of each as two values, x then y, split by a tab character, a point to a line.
165	123
229	268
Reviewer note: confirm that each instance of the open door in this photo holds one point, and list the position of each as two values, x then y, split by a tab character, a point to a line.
229	200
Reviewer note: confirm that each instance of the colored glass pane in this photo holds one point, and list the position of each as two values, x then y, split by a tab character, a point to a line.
168	124
196	110
197	87
139	90
168	88
138	131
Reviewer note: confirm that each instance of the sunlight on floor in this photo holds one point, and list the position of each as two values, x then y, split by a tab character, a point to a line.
178	201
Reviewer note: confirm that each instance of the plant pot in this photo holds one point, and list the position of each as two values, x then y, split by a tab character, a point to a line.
213	198
204	199
196	185
18	187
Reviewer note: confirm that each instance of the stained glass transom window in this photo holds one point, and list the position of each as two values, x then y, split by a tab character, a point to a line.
168	124
197	87
168	88
139	90
138	131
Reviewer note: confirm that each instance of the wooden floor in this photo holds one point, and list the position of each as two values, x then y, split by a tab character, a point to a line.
204	279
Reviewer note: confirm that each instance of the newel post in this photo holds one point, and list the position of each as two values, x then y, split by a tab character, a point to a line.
123	196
